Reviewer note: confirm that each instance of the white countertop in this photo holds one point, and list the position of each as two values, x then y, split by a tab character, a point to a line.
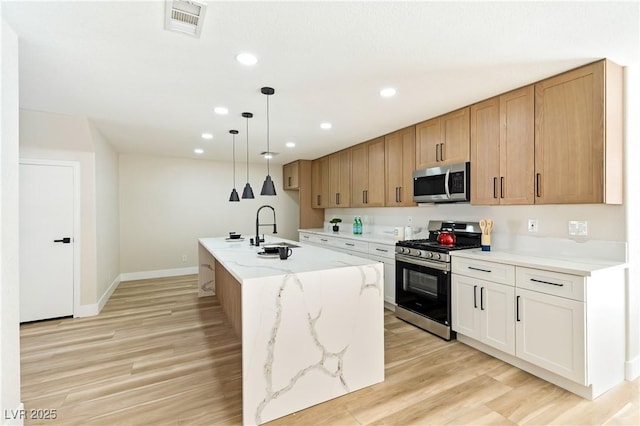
370	238
243	262
574	266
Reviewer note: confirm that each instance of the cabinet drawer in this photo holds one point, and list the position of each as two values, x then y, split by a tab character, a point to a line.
490	271
382	250
554	283
352	245
313	239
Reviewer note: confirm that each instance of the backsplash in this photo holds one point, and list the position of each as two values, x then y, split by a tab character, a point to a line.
606	226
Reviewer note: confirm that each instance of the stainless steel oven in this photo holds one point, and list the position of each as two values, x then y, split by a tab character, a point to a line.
423	281
423	294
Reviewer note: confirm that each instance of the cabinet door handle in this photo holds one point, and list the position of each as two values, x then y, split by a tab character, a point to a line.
318	200
364	197
479	269
399	194
475	301
367	197
437	145
481	299
517	308
546	282
501	187
538	185
289	181
441	152
382	250
495	182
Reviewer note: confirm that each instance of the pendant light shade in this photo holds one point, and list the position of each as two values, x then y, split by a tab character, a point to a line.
247	193
234	193
268	188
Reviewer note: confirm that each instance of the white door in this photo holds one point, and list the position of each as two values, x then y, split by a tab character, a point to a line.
46	241
465	305
498	317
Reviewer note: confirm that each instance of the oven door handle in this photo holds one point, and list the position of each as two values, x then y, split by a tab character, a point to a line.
440	266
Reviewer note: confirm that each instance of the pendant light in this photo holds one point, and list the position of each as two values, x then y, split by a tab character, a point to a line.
234	193
247	192
268	188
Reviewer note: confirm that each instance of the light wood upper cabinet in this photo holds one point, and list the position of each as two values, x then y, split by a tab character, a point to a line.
367	174
290	178
297	176
399	166
502	149
578	136
320	182
443	140
340	179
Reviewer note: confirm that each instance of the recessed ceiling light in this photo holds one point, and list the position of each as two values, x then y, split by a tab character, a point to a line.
198	151
388	92
290	144
247	58
325	126
207	136
221	110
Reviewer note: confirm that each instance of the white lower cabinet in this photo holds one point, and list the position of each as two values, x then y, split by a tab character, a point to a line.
550	332
567	329
384	253
483	310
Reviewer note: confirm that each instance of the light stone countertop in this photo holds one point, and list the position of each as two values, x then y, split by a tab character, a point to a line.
370	238
575	266
243	262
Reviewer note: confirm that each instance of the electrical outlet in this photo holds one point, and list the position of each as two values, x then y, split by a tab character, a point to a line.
184	258
533	225
409	221
578	228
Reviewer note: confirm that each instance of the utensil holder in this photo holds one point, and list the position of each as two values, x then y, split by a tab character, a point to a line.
485	242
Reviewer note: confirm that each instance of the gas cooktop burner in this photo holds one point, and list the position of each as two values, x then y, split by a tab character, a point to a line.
467	236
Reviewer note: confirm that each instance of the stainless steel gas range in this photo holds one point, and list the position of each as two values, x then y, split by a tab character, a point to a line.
423	275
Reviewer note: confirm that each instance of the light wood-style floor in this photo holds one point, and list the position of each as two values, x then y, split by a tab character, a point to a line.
157	354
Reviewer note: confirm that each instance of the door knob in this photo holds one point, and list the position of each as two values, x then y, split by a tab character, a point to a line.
65	240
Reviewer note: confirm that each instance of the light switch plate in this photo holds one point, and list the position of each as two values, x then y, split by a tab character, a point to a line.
578	228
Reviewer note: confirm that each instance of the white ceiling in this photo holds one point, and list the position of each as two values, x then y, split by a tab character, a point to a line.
152	91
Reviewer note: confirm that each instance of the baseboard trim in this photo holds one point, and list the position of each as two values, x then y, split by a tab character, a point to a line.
161	273
90	310
632	369
15	417
107	294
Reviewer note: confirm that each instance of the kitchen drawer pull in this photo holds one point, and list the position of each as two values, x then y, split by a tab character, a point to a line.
475	301
323	240
478	269
349	244
517	308
481	299
382	250
501	187
546	282
305	236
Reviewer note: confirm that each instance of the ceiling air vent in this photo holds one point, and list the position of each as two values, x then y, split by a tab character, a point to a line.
184	16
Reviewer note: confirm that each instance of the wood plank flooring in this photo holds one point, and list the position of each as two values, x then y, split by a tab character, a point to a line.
159	355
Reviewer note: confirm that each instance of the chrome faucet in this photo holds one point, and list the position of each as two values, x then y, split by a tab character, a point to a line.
258	224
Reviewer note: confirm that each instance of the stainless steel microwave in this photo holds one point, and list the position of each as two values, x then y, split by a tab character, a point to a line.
444	184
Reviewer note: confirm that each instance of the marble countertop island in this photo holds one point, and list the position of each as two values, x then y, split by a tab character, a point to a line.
311	326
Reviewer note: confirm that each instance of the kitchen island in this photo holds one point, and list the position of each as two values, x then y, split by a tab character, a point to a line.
311	326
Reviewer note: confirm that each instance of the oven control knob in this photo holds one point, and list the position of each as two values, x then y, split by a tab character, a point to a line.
436	256
429	255
418	253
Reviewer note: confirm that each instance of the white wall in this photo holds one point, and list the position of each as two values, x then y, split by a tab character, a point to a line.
107	215
167	203
9	290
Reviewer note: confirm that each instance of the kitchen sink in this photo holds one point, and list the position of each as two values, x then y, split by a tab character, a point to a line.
282	243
